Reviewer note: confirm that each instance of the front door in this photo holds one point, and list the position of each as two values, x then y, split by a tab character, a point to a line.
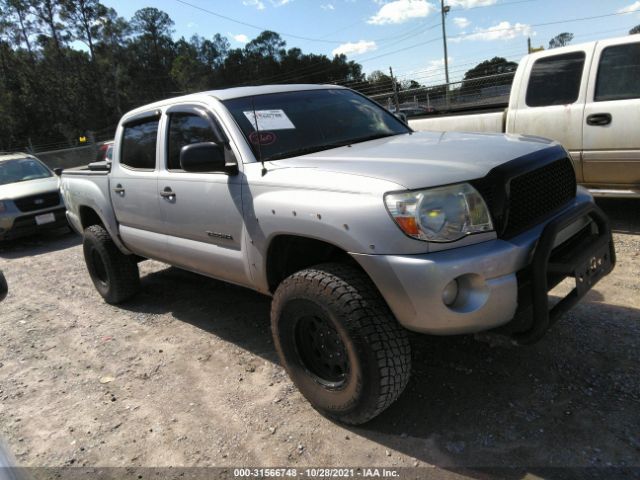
611	136
202	211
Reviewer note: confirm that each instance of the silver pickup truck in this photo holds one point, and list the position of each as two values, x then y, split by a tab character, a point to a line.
359	228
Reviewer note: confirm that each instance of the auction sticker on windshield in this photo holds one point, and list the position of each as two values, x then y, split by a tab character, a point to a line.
269	119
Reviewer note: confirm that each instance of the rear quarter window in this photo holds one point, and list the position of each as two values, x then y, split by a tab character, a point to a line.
555	80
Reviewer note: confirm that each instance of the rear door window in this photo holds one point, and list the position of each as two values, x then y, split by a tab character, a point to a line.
618	73
555	80
139	144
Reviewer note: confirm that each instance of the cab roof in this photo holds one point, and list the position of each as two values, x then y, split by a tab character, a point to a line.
234	92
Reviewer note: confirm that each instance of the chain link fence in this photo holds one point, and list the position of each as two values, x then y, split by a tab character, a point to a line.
477	93
65	153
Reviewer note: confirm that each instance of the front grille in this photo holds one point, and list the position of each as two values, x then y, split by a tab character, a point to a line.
38	202
531	197
27	224
536	194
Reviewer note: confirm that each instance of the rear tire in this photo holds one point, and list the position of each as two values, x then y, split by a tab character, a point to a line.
339	342
114	274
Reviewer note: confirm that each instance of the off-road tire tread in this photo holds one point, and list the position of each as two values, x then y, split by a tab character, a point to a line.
367	315
124	276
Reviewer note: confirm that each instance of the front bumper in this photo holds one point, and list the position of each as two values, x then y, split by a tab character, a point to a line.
491	277
25	224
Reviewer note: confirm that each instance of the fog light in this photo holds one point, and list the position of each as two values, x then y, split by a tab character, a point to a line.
450	293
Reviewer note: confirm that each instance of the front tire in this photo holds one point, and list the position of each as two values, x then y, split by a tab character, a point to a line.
114	274
339	342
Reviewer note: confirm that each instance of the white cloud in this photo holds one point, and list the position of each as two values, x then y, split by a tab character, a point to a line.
501	31
400	11
192	25
461	22
240	38
328	6
280	3
634	7
355	48
471	3
254	3
434	73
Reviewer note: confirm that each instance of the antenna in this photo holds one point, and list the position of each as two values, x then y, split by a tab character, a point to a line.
255	119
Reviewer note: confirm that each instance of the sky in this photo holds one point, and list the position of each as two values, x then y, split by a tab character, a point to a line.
403	34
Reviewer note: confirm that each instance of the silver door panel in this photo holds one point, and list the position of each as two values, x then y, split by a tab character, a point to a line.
211	260
145	243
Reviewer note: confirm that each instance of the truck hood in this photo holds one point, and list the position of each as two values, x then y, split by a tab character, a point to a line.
30	187
422	159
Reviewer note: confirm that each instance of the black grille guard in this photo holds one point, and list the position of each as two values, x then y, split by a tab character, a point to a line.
588	256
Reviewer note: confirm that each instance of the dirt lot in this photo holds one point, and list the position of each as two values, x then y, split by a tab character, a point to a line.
186	375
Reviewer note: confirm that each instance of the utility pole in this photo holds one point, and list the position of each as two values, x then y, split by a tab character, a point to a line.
528	44
444	10
395	90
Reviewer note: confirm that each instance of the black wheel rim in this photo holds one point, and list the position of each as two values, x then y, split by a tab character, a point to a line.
99	268
322	350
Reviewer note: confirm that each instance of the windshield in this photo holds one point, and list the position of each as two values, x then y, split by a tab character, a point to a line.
22	170
297	123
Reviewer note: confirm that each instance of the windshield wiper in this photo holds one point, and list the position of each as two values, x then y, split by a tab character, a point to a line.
304	151
319	148
375	136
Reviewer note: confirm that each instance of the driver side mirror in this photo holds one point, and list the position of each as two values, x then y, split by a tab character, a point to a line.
206	157
58	171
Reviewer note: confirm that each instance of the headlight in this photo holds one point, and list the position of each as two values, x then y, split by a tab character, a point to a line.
442	214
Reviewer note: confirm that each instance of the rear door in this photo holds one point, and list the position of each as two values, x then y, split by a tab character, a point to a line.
551	104
202	211
134	186
611	135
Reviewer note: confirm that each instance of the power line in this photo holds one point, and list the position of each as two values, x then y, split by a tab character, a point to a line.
309	70
257	27
556	22
323	38
421	23
504	4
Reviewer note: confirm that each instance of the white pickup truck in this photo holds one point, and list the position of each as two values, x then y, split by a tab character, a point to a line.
360	228
586	97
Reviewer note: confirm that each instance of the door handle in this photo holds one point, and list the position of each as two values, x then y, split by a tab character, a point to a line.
119	190
599	119
168	193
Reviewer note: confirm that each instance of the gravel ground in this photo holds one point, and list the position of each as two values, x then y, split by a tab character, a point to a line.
186	375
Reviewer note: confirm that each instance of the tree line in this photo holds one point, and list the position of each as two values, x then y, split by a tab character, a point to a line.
69	67
52	91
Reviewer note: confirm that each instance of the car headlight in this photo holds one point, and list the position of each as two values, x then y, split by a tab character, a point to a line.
442	214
